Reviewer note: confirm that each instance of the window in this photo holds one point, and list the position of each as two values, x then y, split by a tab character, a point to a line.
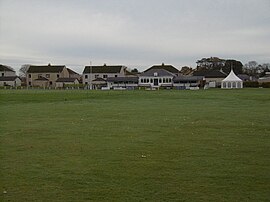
151	80
86	76
164	81
50	82
170	80
47	75
115	75
160	80
29	76
147	80
141	80
229	85
29	83
86	83
105	76
3	74
39	75
234	85
238	84
96	76
58	75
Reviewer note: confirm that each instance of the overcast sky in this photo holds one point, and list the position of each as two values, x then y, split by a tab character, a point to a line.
135	33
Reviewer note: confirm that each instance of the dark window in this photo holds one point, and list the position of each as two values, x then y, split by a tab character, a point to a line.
151	80
3	74
50	82
86	76
105	76
115	75
86	83
96	76
141	80
30	83
58	76
160	80
29	75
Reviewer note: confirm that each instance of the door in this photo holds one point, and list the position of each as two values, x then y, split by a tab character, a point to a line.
155	82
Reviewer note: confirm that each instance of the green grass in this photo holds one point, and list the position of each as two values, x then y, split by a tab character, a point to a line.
209	145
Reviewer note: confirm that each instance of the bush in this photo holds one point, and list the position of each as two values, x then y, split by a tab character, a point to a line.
266	85
251	84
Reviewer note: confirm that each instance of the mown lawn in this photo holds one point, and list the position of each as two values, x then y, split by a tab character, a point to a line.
209	145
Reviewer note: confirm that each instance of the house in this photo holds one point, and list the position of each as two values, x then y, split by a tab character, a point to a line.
6	71
213	78
95	76
13	81
187	82
155	78
45	75
65	82
232	81
8	77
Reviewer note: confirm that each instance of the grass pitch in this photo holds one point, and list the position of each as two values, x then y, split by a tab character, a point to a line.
209	145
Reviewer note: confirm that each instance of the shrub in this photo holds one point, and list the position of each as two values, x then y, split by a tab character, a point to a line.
251	84
266	85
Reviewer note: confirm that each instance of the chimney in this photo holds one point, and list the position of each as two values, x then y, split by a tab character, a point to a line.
162	64
49	64
105	65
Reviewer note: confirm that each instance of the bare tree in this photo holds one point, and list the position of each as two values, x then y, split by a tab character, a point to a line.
23	70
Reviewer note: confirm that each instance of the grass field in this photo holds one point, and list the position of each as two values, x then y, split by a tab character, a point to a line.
135	146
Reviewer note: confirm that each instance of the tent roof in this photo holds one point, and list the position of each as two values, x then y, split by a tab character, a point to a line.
232	77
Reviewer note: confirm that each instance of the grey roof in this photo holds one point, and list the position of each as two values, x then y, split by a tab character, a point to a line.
66	79
160	73
187	78
46	69
6	68
244	76
210	74
8	78
169	68
103	69
122	79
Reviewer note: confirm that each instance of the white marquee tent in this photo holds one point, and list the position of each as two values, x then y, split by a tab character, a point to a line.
232	81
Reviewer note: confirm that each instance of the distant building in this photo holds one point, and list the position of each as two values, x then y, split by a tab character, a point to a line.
45	75
187	82
8	77
13	81
156	78
65	82
213	78
6	71
95	77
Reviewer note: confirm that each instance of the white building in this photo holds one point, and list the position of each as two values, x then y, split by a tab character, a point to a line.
155	78
232	81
